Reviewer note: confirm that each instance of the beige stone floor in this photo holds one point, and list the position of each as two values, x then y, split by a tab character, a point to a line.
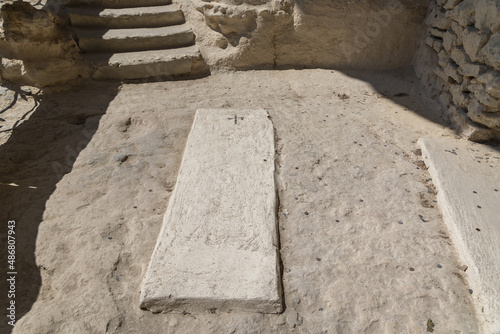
88	175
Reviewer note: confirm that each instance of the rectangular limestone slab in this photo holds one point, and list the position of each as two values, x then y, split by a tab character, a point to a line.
467	177
218	247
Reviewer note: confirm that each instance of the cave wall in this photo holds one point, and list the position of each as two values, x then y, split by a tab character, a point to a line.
460	63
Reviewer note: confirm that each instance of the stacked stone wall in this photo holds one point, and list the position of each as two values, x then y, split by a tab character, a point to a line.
460	61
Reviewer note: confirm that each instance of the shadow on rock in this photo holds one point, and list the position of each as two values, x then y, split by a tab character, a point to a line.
39	152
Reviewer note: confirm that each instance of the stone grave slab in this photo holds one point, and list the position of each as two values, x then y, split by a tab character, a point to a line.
218	246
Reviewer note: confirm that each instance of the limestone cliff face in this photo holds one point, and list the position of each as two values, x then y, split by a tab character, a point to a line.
460	61
246	34
37	47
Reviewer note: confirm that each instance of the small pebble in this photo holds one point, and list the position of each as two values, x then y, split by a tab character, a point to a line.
470	291
439	266
109	238
338	221
412	269
320	309
306	213
318	259
400	222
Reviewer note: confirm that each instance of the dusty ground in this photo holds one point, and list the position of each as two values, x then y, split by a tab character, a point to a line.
88	174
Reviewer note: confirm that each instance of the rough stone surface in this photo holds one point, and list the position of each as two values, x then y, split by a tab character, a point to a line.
493	87
12	70
487	15
459	97
449	40
478	112
217	249
471	212
489	101
464	13
464	125
88	233
491	52
472	70
450	4
474	40
459	31
450	68
459	56
437	19
437	32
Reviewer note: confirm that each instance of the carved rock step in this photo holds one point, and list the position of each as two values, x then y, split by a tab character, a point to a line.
146	64
140	17
116	3
139	39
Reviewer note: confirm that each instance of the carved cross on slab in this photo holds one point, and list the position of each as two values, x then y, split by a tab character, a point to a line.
236	119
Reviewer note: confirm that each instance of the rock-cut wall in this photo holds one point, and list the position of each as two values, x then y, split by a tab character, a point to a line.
460	62
250	34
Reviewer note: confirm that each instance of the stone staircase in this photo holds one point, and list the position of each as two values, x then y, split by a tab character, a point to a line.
135	39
